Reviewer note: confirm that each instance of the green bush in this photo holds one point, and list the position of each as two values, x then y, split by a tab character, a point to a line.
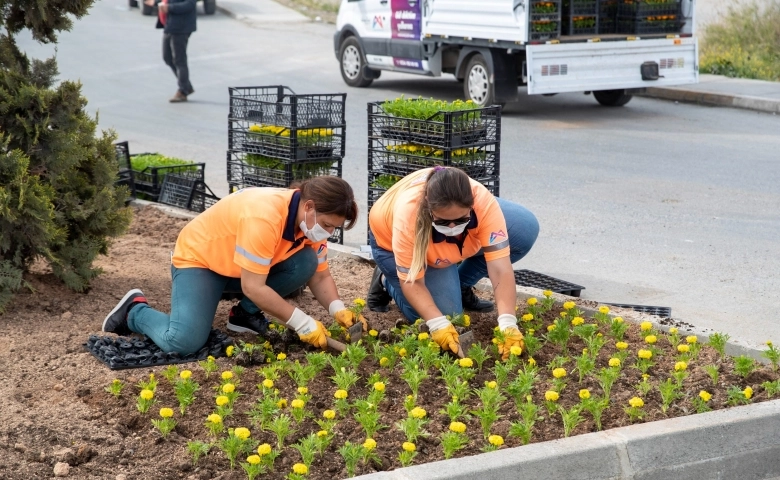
745	43
57	196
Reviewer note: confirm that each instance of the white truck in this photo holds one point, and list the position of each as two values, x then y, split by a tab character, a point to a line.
612	48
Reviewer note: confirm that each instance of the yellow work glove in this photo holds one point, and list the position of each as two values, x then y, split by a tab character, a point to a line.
443	333
507	323
345	316
308	329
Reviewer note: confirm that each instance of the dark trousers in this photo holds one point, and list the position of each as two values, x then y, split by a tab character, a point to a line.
175	56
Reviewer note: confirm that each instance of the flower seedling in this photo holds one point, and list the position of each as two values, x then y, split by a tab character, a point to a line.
197	449
342	404
521	386
368	417
494	441
594	405
214	424
267	455
307	447
345	378
263	411
602	316
713	372
585	364
413	375
352	454
145	400
491	400
744	365
184	388
252	467
328	420
718	342
115	387
224	408
700	403
644	385
559	333
772	354
150	384
170	373
301	374
281	426
680	372
368	451
165	424
529	413
559	379
607	378
771	387
355	353
532	344
693	343
299	472
236	443
635	409
413	426
670	391
737	396
644	362
478	354
550	399
571	418
299	412
408	452
618	328
455	439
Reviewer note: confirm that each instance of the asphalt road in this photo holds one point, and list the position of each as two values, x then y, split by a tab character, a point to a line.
654	203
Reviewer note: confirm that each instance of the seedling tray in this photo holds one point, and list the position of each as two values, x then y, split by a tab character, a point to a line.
279	105
527	278
125	173
186	192
665	312
149	180
121	353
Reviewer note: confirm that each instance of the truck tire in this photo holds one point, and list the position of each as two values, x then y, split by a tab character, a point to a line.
147	10
352	62
612	98
476	85
209	7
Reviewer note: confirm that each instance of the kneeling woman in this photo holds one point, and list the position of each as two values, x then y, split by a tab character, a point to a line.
264	242
427	224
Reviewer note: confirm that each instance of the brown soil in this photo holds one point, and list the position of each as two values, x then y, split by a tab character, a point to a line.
55	407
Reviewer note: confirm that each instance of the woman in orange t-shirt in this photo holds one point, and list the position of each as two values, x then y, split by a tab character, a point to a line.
434	235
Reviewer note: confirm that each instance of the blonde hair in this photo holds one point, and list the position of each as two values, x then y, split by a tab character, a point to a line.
444	187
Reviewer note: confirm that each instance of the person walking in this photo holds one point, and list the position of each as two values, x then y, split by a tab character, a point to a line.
263	242
434	235
178	19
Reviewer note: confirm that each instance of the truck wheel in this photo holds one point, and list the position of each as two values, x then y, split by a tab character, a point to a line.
352	62
147	10
476	84
209	7
612	98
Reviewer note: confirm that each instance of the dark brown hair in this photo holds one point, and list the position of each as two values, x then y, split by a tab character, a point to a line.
331	196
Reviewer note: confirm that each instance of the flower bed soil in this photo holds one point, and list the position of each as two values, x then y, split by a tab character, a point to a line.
55	407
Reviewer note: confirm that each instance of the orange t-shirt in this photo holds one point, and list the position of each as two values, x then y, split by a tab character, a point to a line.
393	216
253	228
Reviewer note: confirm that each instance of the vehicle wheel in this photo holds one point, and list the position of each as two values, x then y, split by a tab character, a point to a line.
209	6
352	62
147	10
132	3
612	98
476	84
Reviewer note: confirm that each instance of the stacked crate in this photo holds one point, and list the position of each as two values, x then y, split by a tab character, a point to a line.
544	21
640	17
125	172
580	17
608	16
277	137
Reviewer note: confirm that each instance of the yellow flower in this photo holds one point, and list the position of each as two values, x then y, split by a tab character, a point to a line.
268	383
568	305
563	314
379	386
166	412
228	388
494	341
551	396
418	412
691	339
185	374
645	326
491	384
242	433
282	403
300	469
402	352
769	343
340	394
146	394
617	320
645	354
263	449
550	328
532	301
373	332
222	400
584	394
673	331
211	359
614	362
531	361
706	396
359	302
636	402
748	392
645	376
369	444
547	293
458	427
466	362
322	433
604	309
466	320
496	440
683	348
559	372
528	317
229	350
253	459
227	375
384	361
214	418
303	390
515	350
281	356
297	403
651	339
329	414
577	321
621	345
680	366
409	446
423	336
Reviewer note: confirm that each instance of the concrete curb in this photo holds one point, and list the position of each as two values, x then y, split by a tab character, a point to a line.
737	443
716	99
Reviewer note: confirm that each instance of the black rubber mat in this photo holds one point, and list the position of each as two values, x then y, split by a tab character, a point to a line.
527	278
664	312
120	353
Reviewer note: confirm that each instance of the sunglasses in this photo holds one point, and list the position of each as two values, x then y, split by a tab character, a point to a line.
457	221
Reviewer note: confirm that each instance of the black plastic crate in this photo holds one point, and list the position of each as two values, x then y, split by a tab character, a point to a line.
545	10
580	17
665	312
544	20
186	192
527	278
149	180
269	172
288	144
125	173
608	16
544	35
279	105
641	8
649	25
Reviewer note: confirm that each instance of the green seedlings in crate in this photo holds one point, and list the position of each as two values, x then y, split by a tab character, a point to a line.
141	163
425	109
115	387
718	342
385	181
771	388
197	449
282	427
772	354
544	7
584	22
670	391
738	396
700	403
744	365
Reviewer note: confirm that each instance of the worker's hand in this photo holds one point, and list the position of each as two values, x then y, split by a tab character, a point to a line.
443	333
507	323
149	3
308	329
346	319
163	7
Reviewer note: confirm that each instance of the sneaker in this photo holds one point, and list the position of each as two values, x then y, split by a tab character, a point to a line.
178	97
116	320
378	299
472	302
242	321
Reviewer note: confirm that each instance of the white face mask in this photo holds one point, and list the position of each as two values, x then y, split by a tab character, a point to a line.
451	231
316	233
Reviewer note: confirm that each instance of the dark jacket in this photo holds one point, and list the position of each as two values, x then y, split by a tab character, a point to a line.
182	17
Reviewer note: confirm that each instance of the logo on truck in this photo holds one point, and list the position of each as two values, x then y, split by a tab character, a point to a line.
378	23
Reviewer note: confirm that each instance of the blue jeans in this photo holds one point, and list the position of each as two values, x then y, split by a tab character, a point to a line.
444	284
195	294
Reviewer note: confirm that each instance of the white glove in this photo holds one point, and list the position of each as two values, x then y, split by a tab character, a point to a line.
301	323
507	320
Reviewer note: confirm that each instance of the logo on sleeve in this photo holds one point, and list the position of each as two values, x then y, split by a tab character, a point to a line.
321	249
497	236
442	261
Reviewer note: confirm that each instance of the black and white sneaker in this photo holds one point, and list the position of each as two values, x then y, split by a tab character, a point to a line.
242	321
472	302
116	320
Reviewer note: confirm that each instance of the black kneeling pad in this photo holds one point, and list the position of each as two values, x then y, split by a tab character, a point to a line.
120	353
